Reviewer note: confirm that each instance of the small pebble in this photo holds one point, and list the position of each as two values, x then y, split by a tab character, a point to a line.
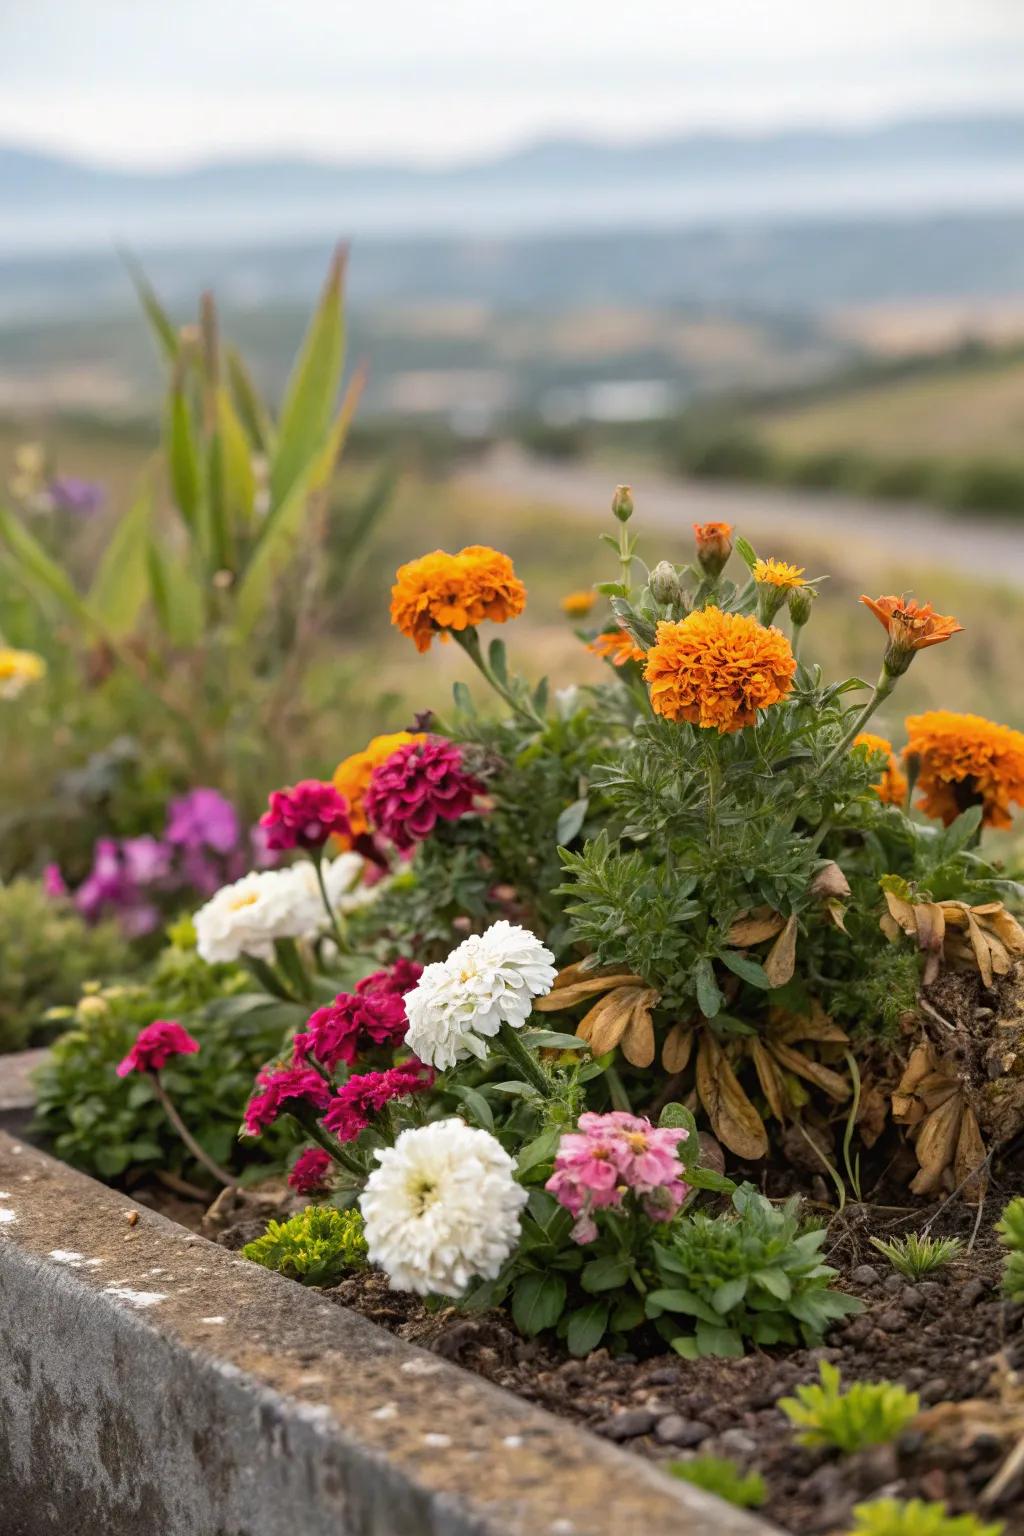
894	1284
734	1442
931	1290
935	1391
891	1321
865	1274
628	1424
674	1430
912	1299
973	1291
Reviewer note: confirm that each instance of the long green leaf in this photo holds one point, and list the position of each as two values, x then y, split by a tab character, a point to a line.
176	595
119	587
40	573
183	456
162	326
239	481
312	389
283	526
250	408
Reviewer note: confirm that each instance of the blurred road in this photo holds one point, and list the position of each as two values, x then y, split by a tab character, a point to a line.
869	532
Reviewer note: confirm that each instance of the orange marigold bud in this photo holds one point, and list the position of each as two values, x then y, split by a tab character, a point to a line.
578	604
891	788
352	776
718	669
714	546
910	626
618	647
964	760
440	592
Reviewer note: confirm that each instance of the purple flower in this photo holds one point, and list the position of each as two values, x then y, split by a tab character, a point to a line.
420	784
69	493
203	819
54	883
146	859
114	883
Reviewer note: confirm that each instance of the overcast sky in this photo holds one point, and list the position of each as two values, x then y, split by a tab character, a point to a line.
171	81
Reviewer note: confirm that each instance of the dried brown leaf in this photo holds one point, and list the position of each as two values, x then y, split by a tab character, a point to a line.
780	962
678	1046
734	1119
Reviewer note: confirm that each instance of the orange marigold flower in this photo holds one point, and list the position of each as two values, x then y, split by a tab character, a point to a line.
910	626
718	669
618	647
777	573
963	760
578	604
352	776
714	546
891	788
440	592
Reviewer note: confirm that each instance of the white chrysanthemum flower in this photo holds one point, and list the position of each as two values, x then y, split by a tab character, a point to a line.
489	980
442	1209
343	878
245	918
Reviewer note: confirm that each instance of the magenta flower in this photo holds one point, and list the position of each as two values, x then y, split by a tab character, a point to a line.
280	1085
420	784
113	883
202	819
610	1156
305	816
353	1023
309	1171
155	1045
354	1105
54	883
397	980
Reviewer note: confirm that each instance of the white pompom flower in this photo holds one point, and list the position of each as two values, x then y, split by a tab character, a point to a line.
489	980
245	918
443	1208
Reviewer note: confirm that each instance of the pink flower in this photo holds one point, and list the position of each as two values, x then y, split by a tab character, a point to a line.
397	980
610	1156
155	1045
305	815
309	1171
280	1084
54	883
421	783
354	1022
357	1101
202	819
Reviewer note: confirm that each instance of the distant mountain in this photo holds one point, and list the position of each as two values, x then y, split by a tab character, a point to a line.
914	167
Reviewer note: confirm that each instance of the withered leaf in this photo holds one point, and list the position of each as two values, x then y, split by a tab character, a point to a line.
675	1052
734	1119
754	927
780	962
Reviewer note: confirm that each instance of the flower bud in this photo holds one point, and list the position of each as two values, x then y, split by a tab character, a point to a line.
714	546
622	503
664	583
801	601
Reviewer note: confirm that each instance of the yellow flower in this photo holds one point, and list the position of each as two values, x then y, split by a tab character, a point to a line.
352	776
18	671
716	669
441	592
964	760
576	605
618	647
891	788
777	573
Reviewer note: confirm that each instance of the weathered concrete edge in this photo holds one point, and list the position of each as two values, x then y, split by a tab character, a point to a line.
17	1090
151	1381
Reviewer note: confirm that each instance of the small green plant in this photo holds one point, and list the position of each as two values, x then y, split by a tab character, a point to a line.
719	1475
1011	1233
316	1246
915	1256
914	1517
752	1274
867	1413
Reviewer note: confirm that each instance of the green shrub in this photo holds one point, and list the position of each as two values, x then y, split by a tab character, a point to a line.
106	1124
46	954
719	1475
913	1517
316	1246
752	1274
1011	1233
915	1256
867	1413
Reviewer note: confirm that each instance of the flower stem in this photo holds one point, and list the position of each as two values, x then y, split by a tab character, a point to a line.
318	865
470	643
527	1065
183	1131
333	1147
882	689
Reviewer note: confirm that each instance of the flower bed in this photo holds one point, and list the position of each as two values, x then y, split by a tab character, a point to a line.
617	1024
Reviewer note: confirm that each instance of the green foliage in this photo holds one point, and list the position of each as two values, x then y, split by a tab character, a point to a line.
914	1517
751	1275
46	954
105	1124
867	1413
915	1256
721	1476
315	1246
1011	1234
